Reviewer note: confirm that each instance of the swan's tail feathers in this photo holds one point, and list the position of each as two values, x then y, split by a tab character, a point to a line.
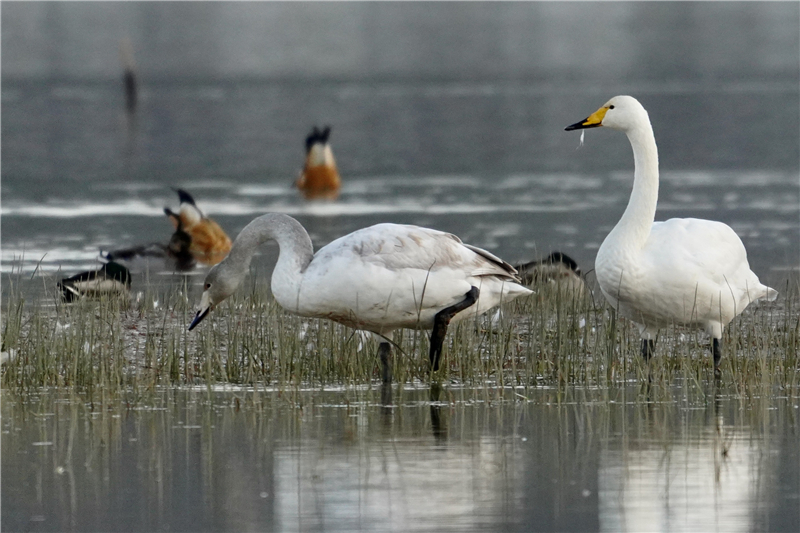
771	294
513	290
762	292
504	268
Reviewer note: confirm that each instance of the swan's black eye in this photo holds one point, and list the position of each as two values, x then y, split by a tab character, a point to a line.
611	106
206	286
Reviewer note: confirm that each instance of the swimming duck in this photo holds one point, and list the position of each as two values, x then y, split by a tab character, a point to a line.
112	278
379	279
557	268
683	270
209	242
175	254
320	178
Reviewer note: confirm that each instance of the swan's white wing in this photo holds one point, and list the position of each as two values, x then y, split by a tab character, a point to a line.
698	250
396	247
697	268
388	276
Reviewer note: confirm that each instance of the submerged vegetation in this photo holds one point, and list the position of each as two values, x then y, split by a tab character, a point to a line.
552	338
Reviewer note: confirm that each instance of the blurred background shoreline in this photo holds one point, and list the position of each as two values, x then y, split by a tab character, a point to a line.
404	41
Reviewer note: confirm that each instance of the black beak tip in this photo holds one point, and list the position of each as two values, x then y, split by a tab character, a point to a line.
576	126
198	318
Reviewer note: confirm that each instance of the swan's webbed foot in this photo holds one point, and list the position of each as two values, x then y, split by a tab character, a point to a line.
442	320
648	349
716	349
385	354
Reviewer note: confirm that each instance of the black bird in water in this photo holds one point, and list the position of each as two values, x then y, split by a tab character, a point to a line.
111	278
176	254
557	268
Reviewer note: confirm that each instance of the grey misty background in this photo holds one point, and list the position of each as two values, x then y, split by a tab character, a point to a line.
560	51
404	41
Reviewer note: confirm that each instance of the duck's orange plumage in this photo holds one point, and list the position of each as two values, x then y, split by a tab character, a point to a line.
209	242
320	177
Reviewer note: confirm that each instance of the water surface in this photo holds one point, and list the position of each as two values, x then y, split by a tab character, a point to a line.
447	115
410	460
493	166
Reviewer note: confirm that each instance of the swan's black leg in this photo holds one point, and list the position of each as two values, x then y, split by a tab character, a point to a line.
648	349
385	353
441	321
716	349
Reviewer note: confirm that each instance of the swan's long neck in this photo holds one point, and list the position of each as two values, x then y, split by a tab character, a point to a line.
296	250
633	229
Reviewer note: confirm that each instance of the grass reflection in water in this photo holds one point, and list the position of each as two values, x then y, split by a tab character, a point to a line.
415	458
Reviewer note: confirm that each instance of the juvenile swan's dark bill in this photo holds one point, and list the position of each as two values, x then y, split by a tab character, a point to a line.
201	314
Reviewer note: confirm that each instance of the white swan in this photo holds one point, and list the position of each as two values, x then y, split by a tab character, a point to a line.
378	279
683	270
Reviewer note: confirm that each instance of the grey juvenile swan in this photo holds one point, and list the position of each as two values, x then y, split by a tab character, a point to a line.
378	279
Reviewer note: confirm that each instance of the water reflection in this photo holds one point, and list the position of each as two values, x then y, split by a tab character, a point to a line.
403	459
712	476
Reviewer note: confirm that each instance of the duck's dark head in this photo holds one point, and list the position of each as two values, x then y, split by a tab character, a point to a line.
317	136
115	271
564	259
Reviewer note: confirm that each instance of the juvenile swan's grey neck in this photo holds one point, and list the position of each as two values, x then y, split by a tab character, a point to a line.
296	250
293	240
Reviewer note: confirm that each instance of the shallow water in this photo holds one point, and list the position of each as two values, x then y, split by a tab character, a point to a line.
359	460
516	185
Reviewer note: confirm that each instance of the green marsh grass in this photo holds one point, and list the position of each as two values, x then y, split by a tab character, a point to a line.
551	339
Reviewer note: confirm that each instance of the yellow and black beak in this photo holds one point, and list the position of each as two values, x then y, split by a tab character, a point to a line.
592	121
